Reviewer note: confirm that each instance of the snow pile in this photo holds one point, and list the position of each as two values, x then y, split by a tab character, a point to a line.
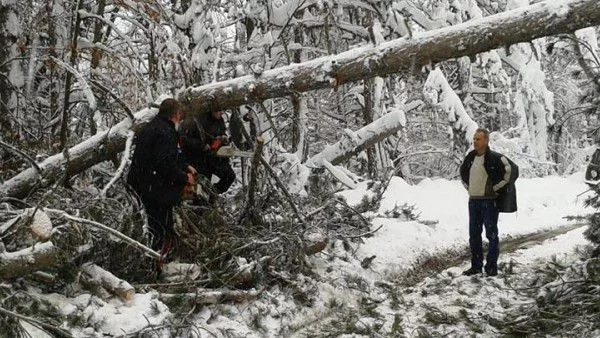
441	208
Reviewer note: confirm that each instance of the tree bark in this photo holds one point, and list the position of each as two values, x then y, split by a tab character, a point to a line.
469	38
41	256
96	277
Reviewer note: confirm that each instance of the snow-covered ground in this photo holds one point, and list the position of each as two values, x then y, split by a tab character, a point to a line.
348	298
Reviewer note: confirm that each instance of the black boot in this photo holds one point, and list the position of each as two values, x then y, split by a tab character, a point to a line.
471	272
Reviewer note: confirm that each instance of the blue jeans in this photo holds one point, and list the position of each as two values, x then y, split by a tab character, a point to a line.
483	212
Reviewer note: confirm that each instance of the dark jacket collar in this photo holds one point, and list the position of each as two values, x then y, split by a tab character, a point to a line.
163	118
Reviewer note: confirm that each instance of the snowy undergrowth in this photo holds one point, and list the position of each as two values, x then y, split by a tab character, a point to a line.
353	289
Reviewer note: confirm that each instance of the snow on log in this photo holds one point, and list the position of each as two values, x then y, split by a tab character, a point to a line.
362	139
472	37
94	276
179	272
40	256
96	149
339	174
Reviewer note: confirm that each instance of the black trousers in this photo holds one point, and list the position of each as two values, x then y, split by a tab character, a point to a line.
221	168
160	221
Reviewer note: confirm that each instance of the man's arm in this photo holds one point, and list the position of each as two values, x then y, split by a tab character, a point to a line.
506	176
194	140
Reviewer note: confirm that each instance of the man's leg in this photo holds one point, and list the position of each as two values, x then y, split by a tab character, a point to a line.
170	242
475	230
156	218
491	232
226	177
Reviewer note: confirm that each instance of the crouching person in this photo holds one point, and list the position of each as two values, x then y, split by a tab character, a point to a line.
202	138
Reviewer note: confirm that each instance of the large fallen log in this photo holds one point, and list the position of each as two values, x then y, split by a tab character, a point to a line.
98	148
470	38
475	36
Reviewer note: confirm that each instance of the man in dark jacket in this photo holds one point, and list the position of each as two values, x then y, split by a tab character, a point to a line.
158	172
487	177
202	137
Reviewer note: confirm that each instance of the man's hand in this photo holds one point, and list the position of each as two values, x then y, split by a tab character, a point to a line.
191	170
189	190
224	140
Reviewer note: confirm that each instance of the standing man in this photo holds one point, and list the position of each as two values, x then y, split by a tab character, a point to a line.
202	137
158	173
487	176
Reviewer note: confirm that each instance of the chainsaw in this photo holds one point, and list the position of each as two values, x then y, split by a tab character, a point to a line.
229	151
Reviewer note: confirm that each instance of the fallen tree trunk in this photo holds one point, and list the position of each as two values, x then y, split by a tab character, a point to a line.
475	36
98	148
95	277
41	256
469	38
354	142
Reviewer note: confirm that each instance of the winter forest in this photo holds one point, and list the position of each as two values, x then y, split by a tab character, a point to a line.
347	217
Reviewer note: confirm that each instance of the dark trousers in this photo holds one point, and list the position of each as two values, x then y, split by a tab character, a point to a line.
221	168
160	221
483	212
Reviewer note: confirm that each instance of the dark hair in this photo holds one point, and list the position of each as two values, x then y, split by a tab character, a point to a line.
169	107
484	131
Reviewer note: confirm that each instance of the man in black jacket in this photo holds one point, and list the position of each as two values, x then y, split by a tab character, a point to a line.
202	137
158	173
488	177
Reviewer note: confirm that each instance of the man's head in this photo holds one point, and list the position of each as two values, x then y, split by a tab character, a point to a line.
171	109
480	140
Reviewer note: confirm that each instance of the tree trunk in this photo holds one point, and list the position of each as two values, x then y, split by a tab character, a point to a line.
6	41
64	125
469	38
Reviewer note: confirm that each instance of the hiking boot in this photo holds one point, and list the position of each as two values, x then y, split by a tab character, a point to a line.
491	271
471	272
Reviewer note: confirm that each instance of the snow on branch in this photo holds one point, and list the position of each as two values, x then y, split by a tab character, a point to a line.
122	165
465	39
360	140
438	93
87	91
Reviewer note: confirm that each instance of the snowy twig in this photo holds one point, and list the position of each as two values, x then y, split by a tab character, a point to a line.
128	110
124	160
48	327
364	234
84	85
27	157
286	193
103	227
